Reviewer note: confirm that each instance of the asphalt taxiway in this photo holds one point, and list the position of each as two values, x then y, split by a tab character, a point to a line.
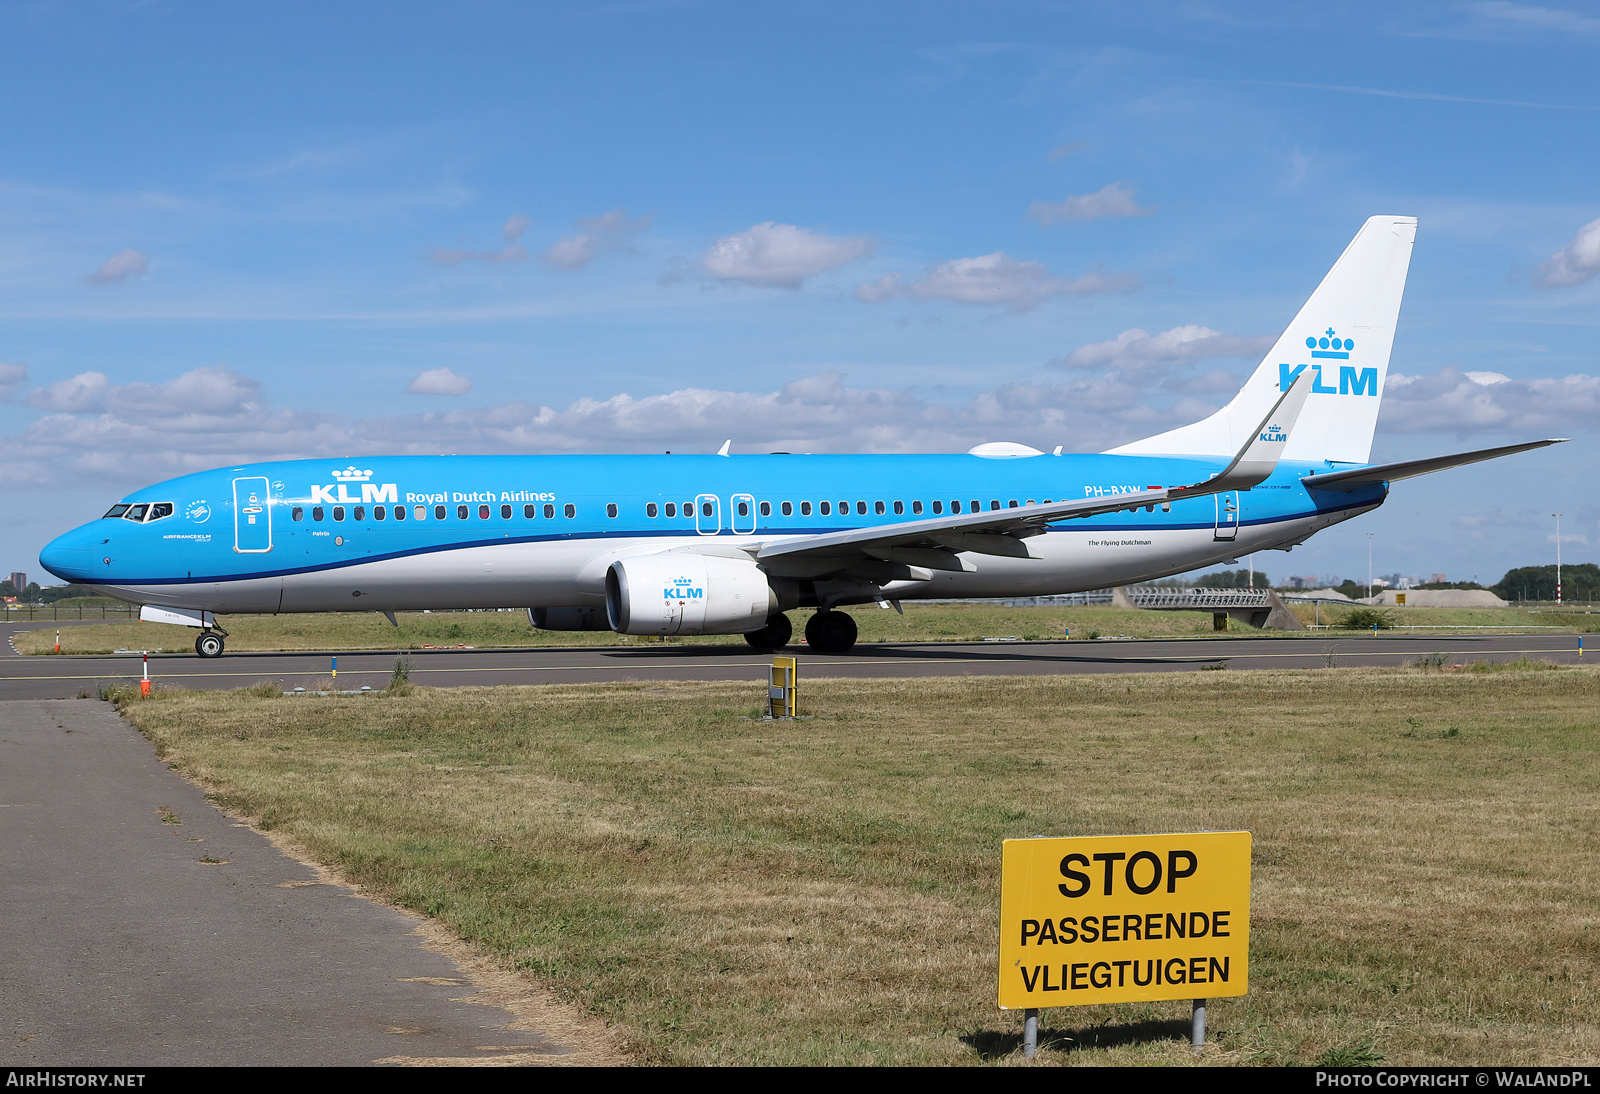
67	676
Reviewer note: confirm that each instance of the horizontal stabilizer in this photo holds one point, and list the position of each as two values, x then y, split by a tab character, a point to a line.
1389	472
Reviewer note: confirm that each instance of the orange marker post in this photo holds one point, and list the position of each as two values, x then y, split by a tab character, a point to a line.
58	639
144	685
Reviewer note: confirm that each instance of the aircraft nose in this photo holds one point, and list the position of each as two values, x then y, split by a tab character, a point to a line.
71	557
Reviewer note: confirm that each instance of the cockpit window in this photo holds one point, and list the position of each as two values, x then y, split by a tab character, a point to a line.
158	510
136	512
117	510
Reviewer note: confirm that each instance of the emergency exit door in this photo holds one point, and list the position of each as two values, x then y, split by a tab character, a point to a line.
252	516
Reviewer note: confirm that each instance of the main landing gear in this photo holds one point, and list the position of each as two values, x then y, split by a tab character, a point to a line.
831	632
209	644
774	636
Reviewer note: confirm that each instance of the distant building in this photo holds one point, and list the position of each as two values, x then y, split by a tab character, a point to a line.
19	581
1438	579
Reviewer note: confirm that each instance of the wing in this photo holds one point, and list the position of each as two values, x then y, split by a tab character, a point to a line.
1389	472
934	544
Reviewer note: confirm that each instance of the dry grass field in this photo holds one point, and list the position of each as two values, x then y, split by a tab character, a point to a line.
825	891
339	631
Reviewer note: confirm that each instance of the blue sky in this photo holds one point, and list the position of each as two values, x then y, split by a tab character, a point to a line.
233	231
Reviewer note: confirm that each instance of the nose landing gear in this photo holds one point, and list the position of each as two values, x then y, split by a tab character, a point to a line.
831	632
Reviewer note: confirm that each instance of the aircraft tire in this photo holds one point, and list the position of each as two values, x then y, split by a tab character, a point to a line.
831	632
208	645
774	636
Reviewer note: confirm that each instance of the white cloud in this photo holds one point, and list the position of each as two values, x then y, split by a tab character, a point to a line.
780	255
1568	22
1575	263
12	378
993	279
1137	350
515	225
439	381
607	232
123	266
1452	401
1115	200
82	392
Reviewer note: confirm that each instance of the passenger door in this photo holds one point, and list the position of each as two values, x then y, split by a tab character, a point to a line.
1227	515
252	516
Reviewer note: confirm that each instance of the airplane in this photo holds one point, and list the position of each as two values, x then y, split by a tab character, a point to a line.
725	544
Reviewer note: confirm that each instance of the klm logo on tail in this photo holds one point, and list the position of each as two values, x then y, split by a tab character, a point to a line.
1351	380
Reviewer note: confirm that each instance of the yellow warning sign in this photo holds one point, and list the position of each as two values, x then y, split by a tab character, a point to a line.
1117	919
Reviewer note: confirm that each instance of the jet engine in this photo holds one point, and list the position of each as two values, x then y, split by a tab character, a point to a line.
676	592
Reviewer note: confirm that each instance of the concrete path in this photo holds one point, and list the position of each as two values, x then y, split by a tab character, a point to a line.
142	927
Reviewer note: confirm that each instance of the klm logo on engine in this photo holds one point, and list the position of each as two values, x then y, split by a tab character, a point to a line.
1352	381
371	493
682	588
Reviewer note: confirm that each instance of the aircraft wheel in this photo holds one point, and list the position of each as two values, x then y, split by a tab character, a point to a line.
831	632
208	645
774	636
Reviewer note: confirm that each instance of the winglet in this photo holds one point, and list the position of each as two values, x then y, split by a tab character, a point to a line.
726	445
1257	459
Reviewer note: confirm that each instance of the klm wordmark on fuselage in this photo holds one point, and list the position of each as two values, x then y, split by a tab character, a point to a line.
720	544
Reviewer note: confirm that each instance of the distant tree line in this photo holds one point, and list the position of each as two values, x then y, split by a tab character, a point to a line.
1233	579
1580	581
48	594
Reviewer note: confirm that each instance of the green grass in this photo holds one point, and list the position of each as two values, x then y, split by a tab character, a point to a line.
340	631
729	890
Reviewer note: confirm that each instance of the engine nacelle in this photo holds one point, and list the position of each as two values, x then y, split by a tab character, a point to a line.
568	619
678	592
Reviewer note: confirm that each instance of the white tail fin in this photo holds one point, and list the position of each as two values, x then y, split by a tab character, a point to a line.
1342	337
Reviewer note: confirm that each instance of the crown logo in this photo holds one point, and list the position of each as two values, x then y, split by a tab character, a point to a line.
682	581
1330	346
353	474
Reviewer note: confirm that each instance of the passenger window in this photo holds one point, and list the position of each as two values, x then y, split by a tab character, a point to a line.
916	507
160	509
571	510
955	506
766	508
1030	501
297	514
899	507
650	509
744	509
877	507
505	512
338	512
707	509
826	508
1012	504
378	512
611	509
360	513
529	512
483	512
788	508
861	508
688	508
399	512
461	512
439	512
116	511
938	507
316	512
136	512
993	504
672	508
549	512
976	505
805	509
